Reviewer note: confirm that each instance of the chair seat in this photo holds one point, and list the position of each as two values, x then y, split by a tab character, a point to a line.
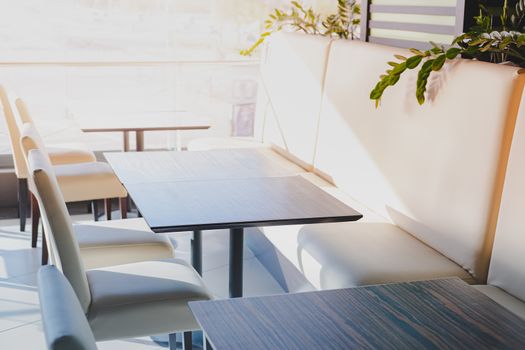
88	181
143	298
70	154
503	298
117	242
353	254
210	143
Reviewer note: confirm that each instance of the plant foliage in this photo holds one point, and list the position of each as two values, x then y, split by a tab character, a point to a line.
496	37
343	23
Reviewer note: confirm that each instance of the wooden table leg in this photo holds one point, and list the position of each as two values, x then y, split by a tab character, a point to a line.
236	261
125	135
123	204
139	140
45	251
23	197
35	219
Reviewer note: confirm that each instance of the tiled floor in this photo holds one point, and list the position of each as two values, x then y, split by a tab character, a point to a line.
20	325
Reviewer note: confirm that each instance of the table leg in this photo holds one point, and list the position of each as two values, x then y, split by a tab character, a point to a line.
236	261
125	135
196	251
139	134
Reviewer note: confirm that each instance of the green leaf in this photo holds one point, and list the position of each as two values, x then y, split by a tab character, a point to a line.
452	53
401	58
439	62
413	61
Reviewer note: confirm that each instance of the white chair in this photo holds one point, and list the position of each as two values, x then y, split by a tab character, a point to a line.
78	182
59	154
120	301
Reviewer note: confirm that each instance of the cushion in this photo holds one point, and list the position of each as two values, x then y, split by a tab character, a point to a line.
507	266
143	298
117	242
292	73
67	154
503	298
432	170
65	325
88	181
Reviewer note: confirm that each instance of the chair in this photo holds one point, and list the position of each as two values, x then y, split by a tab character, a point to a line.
58	154
122	301
78	182
65	325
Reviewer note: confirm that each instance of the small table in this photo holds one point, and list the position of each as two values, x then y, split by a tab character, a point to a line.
142	122
193	195
436	314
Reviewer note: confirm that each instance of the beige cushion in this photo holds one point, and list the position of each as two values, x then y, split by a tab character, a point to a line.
88	181
210	143
62	154
507	266
503	298
79	181
143	298
116	242
432	169
292	73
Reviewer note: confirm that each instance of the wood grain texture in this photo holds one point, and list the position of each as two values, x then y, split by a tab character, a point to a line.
236	203
168	166
437	314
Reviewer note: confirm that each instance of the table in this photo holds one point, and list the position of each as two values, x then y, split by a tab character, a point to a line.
200	191
142	122
436	314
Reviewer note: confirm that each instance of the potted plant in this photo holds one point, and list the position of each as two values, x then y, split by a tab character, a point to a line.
343	23
498	36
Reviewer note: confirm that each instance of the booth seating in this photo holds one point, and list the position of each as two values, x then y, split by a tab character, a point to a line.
59	154
121	301
427	178
506	280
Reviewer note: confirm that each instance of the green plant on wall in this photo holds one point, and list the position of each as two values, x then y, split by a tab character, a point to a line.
496	37
343	23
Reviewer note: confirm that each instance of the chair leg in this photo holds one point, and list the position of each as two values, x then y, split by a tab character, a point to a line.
35	219
45	251
187	341
172	341
23	196
123	204
94	209
207	345
107	208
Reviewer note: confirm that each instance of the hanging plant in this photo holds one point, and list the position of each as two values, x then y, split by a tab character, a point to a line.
497	37
343	24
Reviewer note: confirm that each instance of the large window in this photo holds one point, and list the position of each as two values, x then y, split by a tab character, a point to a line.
73	60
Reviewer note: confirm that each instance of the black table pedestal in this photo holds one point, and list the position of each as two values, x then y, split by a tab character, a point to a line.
236	261
196	251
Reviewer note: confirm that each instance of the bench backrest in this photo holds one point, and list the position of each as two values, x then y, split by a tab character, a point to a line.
291	83
435	170
507	265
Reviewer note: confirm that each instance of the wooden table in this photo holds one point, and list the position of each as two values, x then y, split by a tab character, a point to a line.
437	314
201	191
142	122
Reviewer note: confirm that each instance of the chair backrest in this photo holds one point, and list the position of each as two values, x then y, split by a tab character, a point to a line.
30	139
23	111
65	324
507	265
292	77
13	128
62	242
435	170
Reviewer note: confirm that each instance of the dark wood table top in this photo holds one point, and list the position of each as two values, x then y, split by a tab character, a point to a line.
166	166
436	314
236	203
